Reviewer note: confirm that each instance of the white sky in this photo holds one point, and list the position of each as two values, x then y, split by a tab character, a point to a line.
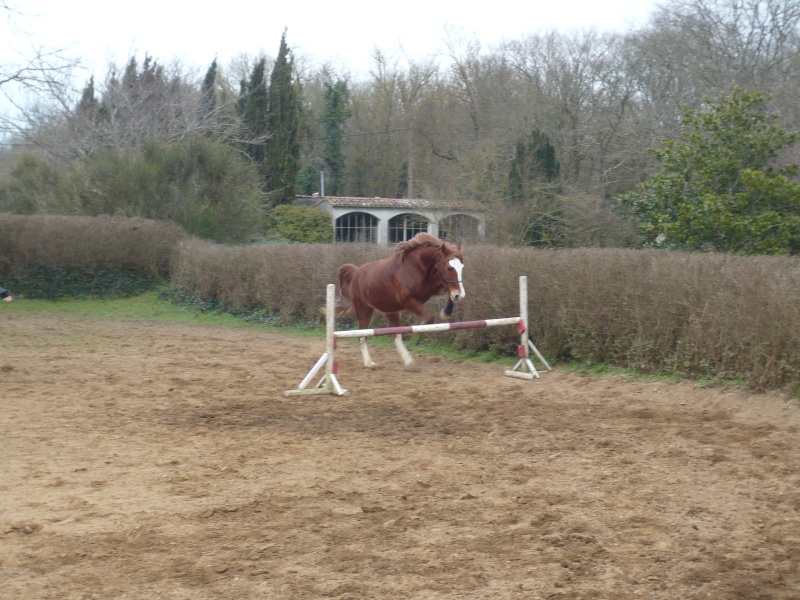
345	32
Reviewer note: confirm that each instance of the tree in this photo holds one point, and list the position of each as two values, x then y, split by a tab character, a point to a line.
203	184
284	122
41	72
208	96
133	104
88	103
253	110
533	192
534	164
720	188
337	111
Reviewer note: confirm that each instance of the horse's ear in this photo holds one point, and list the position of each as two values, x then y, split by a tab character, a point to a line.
458	246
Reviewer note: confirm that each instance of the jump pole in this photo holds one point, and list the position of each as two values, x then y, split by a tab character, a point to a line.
524	368
329	383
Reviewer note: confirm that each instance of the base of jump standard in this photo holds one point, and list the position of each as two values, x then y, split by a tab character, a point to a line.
329	383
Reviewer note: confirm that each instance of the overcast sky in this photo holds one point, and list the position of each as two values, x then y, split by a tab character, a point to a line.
346	33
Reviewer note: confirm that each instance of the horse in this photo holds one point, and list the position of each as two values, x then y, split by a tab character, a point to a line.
417	270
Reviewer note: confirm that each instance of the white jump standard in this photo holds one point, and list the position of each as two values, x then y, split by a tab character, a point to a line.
329	383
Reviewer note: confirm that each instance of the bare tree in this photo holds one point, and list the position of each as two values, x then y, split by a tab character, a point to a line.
696	48
38	73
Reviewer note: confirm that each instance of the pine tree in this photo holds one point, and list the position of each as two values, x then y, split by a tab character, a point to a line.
284	123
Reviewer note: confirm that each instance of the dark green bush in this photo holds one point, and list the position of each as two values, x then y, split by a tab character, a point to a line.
202	184
50	283
300	224
37	186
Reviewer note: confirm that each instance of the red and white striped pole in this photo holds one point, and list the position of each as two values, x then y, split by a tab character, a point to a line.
351	333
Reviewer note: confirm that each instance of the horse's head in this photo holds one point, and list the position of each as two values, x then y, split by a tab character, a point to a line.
442	261
451	265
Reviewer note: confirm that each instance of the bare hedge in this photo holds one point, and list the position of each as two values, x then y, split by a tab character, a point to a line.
692	314
696	315
76	242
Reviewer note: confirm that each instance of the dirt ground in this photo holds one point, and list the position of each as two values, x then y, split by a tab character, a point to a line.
143	460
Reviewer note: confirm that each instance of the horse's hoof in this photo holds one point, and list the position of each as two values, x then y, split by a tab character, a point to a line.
371	365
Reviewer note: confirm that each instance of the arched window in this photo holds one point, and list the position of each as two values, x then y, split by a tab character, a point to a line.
404	227
357	227
459	227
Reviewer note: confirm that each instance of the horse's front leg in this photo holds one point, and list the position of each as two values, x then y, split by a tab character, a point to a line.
447	310
405	355
418	308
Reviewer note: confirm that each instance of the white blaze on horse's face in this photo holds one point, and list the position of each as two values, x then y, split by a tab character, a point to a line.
458	266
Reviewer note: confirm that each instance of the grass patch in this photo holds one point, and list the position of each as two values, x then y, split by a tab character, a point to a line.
605	370
150	306
162	305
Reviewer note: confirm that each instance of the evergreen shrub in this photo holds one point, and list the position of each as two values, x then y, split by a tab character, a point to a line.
202	184
300	224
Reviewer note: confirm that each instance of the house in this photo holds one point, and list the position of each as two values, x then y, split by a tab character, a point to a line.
392	220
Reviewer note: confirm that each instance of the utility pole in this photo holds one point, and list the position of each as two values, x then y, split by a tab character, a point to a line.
410	161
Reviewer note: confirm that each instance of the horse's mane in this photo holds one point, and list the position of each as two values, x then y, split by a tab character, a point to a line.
421	241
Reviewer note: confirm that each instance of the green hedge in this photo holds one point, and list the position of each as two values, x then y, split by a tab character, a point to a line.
50	283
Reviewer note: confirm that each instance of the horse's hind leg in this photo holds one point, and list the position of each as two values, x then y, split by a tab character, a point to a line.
368	362
364	317
405	355
403	351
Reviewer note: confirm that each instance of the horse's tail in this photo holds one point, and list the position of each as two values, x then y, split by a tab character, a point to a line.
344	304
345	277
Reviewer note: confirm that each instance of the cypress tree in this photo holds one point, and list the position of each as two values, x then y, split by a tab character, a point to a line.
284	122
88	103
532	189
252	107
337	111
534	163
208	97
131	75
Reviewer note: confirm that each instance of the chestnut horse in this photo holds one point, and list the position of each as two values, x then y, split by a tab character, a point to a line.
419	269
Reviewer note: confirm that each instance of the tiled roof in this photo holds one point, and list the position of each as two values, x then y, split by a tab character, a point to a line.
418	204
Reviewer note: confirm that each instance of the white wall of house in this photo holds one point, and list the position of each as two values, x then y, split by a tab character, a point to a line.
338	207
384	215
